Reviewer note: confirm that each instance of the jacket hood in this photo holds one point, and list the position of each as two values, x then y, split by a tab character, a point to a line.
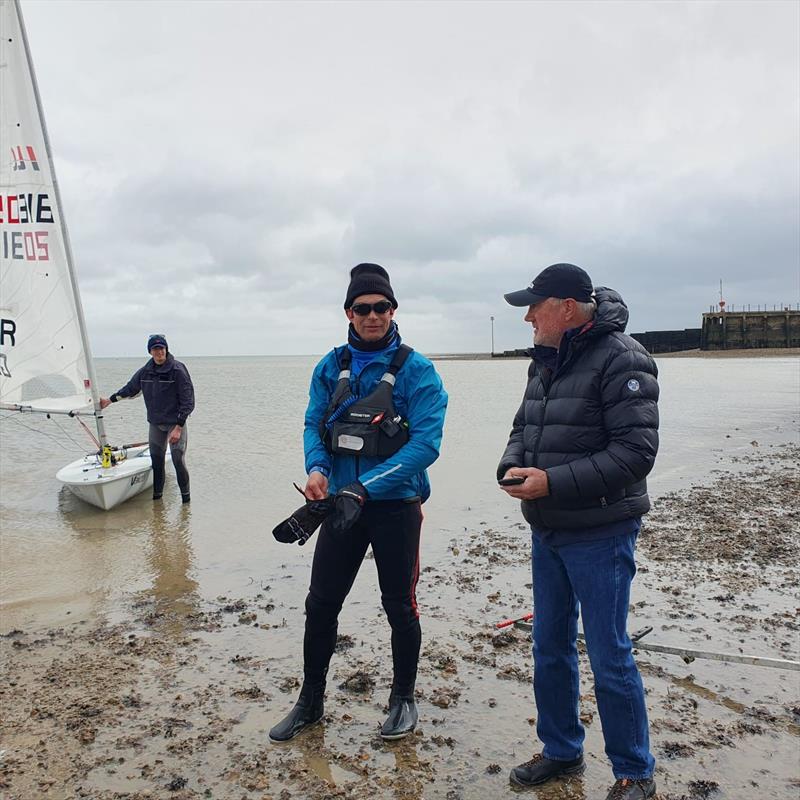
612	313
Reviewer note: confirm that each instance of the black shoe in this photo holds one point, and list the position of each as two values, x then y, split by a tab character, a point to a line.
156	496
540	769
186	498
307	711
402	719
626	789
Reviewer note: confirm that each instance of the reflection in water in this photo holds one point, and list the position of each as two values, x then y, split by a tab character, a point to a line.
411	774
171	562
312	746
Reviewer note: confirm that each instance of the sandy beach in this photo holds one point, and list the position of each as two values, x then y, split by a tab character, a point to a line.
174	701
765	352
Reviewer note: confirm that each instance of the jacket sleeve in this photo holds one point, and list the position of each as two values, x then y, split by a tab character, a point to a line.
427	405
629	397
514	454
185	394
133	386
319	396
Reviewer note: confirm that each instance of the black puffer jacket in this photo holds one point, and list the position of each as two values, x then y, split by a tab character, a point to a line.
592	425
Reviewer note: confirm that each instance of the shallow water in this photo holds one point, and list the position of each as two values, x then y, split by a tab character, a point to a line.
62	558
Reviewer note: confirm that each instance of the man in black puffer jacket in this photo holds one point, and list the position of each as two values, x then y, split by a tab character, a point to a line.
583	441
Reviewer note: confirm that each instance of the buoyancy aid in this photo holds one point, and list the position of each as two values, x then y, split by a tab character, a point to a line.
367	426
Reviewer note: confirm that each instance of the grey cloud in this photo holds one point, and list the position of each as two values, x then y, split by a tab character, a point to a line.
225	168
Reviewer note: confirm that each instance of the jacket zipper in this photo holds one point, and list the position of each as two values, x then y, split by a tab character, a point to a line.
570	356
357	393
532	503
544	410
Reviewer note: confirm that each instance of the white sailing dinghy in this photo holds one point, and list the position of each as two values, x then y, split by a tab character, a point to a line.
45	360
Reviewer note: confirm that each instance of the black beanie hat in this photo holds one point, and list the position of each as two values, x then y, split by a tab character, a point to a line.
369	279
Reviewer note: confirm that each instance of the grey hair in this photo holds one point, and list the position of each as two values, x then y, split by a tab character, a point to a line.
588	309
585	310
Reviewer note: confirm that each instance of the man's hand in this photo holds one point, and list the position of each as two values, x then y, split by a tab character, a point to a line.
347	509
175	434
535	485
104	402
316	486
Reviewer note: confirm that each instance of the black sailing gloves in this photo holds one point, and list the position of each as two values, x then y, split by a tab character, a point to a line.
348	503
344	509
301	525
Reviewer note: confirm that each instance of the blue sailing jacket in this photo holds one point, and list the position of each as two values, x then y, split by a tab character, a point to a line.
419	397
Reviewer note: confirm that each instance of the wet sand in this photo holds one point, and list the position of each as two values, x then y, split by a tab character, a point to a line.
758	352
174	700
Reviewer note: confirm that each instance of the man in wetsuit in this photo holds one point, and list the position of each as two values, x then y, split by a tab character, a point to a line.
169	398
372	427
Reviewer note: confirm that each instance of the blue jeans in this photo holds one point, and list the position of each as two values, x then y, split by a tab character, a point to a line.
595	575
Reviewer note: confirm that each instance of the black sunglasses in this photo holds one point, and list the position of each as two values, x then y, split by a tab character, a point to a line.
362	309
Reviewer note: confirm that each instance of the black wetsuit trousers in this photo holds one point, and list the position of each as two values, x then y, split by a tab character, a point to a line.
159	438
392	528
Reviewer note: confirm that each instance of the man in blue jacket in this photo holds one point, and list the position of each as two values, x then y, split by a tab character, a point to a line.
373	425
169	398
582	443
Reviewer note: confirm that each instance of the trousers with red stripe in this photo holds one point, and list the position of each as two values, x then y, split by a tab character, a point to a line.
392	528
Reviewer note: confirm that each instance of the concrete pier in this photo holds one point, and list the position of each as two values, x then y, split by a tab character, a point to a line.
728	330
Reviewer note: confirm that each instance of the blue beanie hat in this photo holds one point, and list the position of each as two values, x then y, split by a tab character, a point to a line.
157	340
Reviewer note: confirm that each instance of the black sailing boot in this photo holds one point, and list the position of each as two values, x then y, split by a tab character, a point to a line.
402	717
307	711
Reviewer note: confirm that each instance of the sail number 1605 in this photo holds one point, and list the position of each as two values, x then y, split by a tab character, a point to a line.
25	245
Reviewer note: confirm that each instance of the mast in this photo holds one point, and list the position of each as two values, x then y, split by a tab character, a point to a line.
101	431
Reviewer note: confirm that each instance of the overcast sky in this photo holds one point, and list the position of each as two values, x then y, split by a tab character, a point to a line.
224	164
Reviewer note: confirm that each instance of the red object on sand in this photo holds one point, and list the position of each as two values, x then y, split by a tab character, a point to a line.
506	622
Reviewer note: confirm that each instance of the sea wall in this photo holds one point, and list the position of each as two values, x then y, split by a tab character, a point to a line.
727	330
669	341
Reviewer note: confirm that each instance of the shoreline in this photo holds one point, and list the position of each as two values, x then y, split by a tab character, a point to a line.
765	352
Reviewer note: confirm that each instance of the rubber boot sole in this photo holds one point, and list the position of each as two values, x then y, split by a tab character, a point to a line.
565	773
295	735
393	737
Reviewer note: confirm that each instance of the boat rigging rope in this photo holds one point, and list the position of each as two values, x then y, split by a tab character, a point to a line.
91	435
77	445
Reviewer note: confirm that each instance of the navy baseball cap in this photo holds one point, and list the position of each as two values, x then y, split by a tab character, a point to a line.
157	340
557	280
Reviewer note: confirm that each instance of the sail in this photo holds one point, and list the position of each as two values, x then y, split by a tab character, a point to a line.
43	362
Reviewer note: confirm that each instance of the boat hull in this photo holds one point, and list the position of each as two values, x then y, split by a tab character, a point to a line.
108	487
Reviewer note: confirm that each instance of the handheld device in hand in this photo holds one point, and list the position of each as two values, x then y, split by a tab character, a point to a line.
514	480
